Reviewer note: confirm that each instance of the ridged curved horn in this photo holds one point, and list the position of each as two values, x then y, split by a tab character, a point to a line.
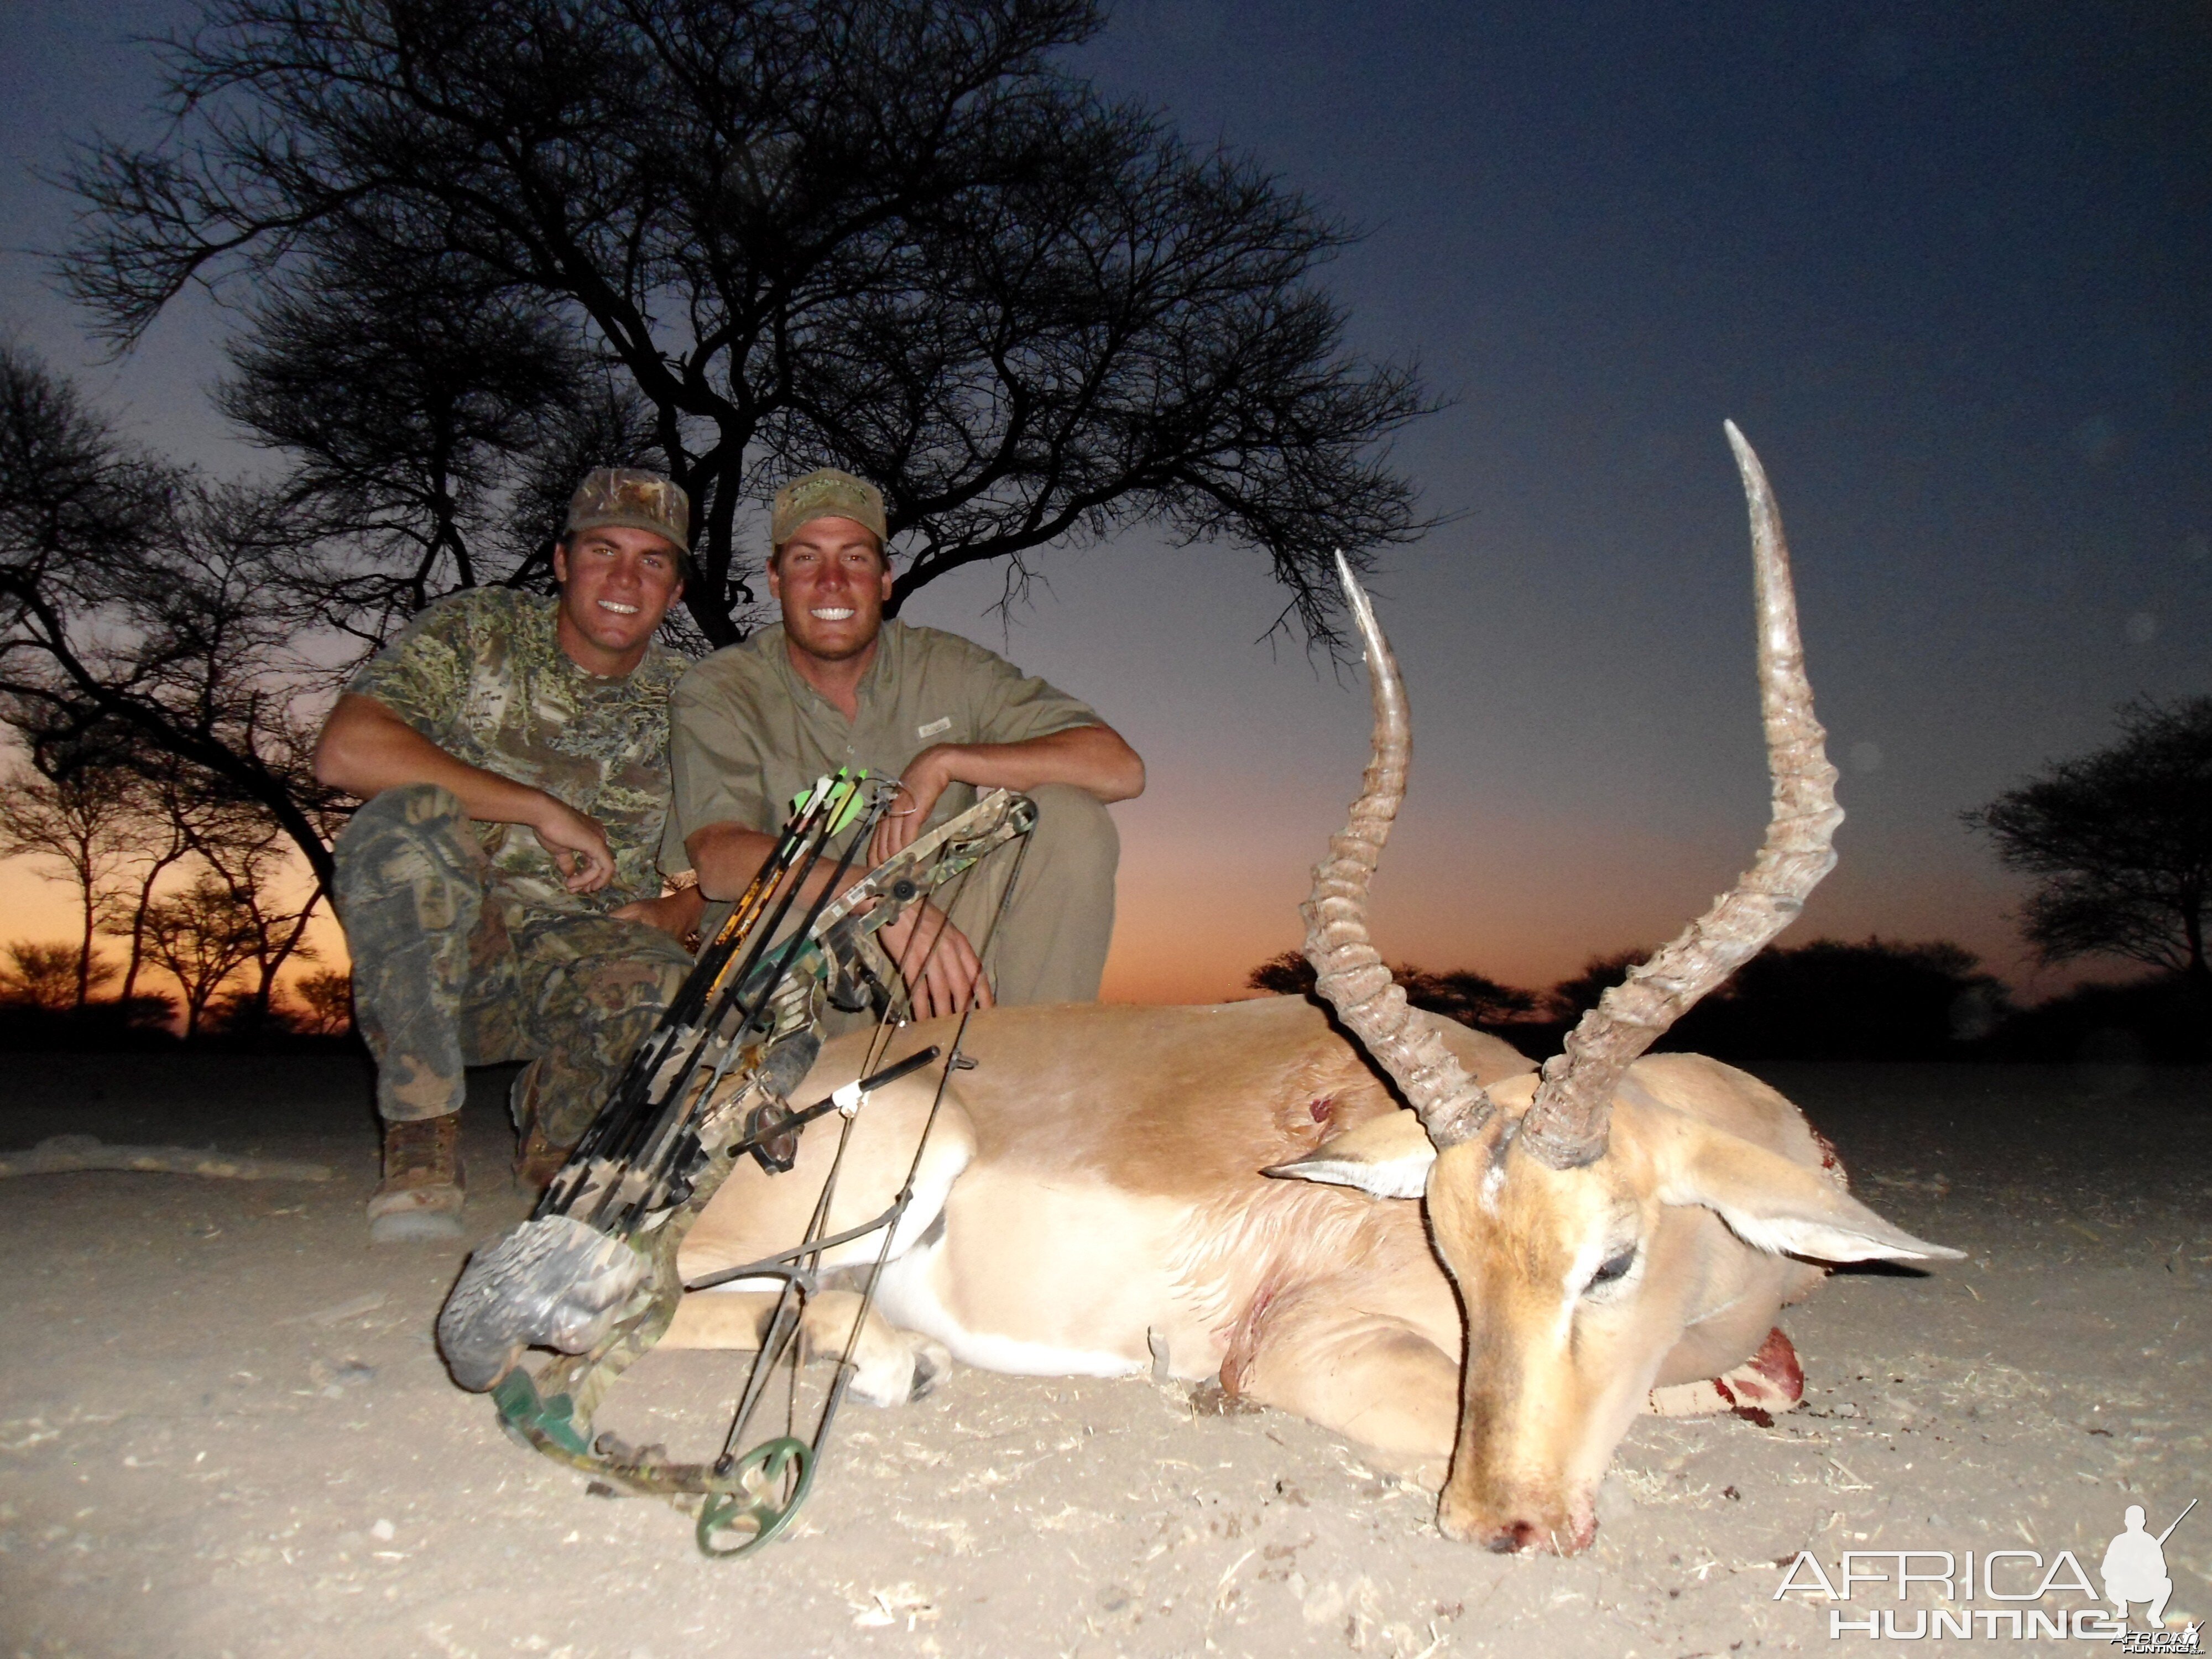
1349	973
1565	1125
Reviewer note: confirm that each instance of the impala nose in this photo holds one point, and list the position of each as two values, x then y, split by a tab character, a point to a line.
1512	1534
1464	1524
1513	1538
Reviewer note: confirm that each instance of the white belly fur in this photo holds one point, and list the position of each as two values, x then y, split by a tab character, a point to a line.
1091	1275
908	1295
947	1157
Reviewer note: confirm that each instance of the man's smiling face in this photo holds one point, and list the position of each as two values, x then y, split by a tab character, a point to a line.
833	582
617	584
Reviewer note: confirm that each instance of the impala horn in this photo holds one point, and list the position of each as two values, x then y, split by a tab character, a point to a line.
1565	1124
1452	1105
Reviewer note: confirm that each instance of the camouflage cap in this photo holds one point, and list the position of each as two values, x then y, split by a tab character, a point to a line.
826	493
632	498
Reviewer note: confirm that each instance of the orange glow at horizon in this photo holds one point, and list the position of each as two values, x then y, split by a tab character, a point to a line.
1209	888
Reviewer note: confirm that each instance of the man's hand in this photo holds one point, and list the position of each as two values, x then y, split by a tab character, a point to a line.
924	779
578	845
366	749
940	966
676	915
1092	758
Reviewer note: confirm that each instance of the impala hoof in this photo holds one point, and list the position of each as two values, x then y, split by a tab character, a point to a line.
932	1360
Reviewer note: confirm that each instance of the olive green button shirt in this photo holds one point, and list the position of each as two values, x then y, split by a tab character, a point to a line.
746	733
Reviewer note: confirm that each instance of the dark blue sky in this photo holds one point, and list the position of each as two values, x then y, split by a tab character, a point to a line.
1947	267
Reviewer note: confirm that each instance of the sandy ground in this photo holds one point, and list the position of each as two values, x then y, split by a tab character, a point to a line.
224	1431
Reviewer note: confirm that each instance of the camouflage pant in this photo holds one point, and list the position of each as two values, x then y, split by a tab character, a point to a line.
447	971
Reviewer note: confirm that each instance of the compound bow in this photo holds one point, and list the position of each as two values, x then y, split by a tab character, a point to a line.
592	1273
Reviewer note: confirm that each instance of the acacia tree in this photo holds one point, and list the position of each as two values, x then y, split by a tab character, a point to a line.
201	935
160	789
326	999
83	822
885	233
436	429
143	612
2122	840
231	916
49	977
1830	998
1459	993
245	852
1568	1000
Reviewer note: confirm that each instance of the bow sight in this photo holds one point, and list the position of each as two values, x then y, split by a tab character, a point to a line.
593	1274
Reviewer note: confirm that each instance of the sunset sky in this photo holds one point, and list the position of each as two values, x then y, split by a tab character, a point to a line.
1950	269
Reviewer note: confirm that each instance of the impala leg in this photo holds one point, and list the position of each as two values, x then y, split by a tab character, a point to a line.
891	1367
718	1319
1372	1379
1771	1381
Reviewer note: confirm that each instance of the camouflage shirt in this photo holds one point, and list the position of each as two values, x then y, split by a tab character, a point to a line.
482	675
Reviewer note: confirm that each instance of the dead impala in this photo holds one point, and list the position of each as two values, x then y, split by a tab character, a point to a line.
1238	1188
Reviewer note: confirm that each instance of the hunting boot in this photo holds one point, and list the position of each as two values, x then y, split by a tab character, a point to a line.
420	1196
538	1156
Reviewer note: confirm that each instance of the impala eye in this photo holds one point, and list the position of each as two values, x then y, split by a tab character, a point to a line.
1613	1267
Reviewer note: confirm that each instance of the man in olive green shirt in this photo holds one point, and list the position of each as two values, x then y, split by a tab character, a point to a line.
837	685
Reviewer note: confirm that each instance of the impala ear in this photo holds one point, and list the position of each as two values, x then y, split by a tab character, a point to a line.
1386	1157
1773	1204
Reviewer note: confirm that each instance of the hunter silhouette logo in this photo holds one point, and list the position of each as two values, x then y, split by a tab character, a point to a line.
2017	1580
2134	1568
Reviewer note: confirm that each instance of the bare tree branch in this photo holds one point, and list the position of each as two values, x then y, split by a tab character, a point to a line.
889	235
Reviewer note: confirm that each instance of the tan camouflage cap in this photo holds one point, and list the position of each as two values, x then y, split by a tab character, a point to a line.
635	499
826	493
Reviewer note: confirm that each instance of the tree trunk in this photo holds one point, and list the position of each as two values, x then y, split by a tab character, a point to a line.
2196	972
265	990
138	923
709	597
195	1002
84	954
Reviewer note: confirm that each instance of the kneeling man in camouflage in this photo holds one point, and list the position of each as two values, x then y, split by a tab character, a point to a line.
500	889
